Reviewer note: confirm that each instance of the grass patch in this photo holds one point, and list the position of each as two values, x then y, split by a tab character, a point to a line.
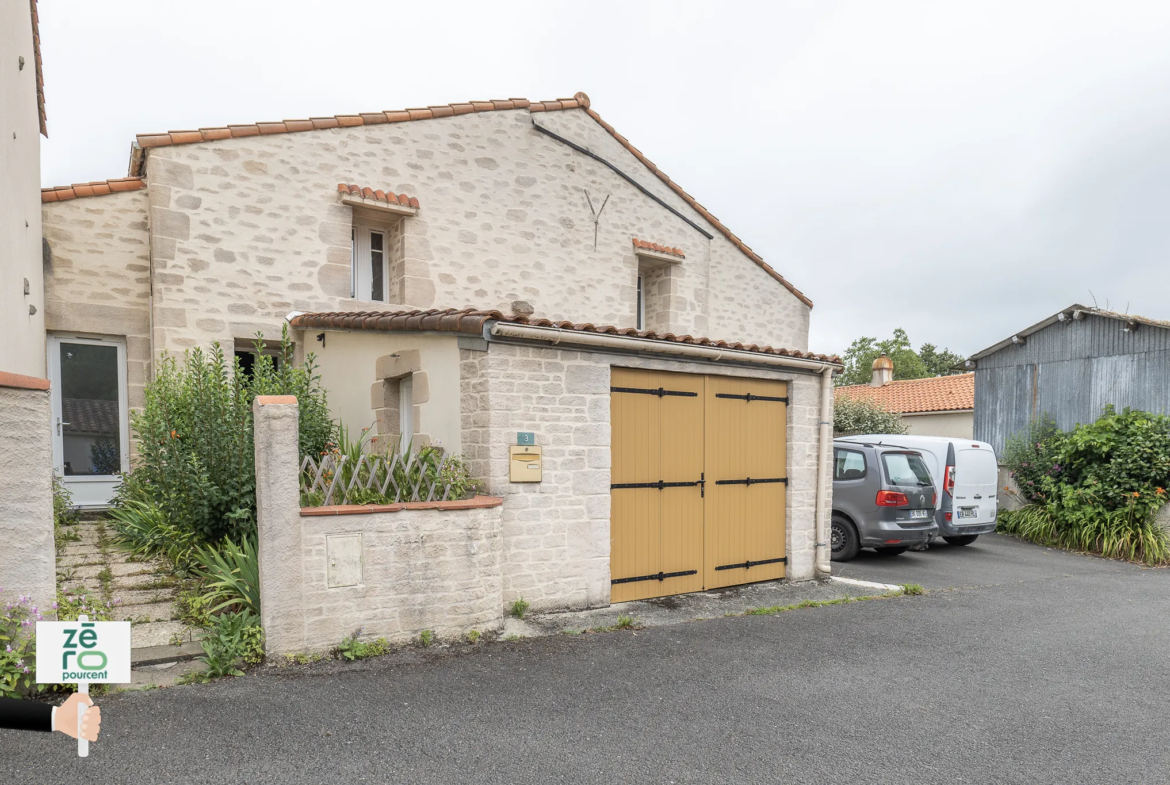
519	608
624	622
774	609
474	636
1114	534
912	589
426	638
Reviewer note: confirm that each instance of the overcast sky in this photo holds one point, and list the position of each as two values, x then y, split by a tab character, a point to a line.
959	169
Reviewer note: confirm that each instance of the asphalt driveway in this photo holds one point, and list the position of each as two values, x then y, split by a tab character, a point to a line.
1041	667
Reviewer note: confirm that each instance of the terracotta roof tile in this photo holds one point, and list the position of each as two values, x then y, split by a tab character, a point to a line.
472	321
909	396
659	248
389	197
97	188
579	101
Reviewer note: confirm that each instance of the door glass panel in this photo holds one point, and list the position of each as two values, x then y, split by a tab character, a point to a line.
376	266
90	414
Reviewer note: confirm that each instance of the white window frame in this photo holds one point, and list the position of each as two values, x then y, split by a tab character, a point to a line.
362	263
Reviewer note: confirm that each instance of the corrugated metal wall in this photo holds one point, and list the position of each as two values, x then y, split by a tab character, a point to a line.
1069	371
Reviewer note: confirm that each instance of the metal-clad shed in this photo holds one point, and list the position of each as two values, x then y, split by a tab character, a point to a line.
1068	367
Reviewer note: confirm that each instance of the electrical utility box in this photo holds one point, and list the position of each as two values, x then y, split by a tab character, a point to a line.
525	464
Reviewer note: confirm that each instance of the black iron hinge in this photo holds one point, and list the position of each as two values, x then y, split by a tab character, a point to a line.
659	485
660	392
747	565
661	576
749	481
749	397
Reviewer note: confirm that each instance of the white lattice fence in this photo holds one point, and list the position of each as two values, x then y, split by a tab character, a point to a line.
337	479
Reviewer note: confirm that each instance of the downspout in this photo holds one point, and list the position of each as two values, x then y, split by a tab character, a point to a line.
823	550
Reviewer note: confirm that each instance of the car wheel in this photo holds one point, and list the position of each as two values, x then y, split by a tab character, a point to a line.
965	539
893	550
843	539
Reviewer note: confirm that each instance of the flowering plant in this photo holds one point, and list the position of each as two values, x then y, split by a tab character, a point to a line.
18	639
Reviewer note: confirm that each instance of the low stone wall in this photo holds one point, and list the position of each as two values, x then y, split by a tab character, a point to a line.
393	570
28	561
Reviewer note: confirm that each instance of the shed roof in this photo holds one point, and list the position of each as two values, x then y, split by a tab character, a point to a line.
1077	312
470	321
917	396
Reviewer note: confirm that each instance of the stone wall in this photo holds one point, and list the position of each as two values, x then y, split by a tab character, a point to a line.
420	566
244	230
97	280
28	562
556	537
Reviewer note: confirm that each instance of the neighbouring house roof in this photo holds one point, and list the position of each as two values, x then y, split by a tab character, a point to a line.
471	322
1074	312
578	101
916	396
96	188
36	31
381	196
659	248
85	415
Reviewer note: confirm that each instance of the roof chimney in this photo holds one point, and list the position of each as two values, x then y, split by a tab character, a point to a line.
883	371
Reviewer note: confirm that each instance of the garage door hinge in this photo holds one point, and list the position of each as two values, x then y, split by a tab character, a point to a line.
660	392
659	485
747	565
749	397
749	481
661	576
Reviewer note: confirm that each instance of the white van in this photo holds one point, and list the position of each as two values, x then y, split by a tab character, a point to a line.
967	474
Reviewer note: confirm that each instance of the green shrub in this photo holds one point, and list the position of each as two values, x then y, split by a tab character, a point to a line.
426	638
144	528
70	606
232	638
195	444
1096	488
860	415
351	648
231	575
519	608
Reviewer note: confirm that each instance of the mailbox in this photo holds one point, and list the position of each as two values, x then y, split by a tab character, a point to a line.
524	464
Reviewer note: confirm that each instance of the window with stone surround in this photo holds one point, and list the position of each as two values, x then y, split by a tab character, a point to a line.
376	261
658	267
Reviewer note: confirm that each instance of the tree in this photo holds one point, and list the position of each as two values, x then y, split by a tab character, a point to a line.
908	364
861	415
940	363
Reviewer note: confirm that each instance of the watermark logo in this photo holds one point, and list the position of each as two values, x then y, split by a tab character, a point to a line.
83	651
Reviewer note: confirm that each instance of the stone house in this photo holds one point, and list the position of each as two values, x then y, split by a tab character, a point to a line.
463	273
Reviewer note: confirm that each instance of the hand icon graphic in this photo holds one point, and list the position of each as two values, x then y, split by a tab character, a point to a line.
65	718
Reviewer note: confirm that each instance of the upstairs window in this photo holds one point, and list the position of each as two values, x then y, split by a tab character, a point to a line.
641	304
369	273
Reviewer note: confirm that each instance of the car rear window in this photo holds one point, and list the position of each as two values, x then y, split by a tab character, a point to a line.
848	465
976	467
905	468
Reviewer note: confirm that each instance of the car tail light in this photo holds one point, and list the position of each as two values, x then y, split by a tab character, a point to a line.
934	499
891	499
947	515
949	480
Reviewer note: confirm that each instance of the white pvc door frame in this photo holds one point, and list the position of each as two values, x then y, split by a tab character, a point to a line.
89	491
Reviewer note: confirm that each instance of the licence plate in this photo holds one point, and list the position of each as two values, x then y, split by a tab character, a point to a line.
919	514
969	512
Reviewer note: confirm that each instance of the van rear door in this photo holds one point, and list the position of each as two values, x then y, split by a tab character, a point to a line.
976	480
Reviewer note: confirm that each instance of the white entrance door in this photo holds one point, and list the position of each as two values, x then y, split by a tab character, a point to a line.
91	434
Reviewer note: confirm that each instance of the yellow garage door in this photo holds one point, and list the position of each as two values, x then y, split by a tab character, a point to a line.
656	527
698	482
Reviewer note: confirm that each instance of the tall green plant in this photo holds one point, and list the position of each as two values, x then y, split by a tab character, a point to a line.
195	446
1096	488
851	416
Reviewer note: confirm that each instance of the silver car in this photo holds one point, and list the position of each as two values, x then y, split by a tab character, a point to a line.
883	498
